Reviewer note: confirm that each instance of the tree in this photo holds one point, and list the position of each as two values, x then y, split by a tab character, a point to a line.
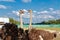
13	21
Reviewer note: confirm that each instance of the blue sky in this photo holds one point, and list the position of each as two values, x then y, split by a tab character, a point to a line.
42	9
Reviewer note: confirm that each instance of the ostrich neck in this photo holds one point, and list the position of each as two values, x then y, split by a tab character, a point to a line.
21	21
30	25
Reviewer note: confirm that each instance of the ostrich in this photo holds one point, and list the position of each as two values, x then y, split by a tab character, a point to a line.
30	25
21	22
34	34
21	33
10	31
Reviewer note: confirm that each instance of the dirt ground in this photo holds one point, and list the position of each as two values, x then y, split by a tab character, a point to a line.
57	38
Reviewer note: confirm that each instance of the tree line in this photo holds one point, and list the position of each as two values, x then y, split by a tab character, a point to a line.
14	21
57	21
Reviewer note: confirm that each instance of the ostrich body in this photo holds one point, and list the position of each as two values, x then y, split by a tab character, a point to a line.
35	35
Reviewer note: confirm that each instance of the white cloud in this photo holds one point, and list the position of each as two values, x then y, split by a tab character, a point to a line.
26	1
45	16
27	15
56	12
3	7
51	9
8	0
49	16
34	11
44	12
15	12
51	12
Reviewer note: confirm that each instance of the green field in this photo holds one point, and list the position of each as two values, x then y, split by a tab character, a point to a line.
52	27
